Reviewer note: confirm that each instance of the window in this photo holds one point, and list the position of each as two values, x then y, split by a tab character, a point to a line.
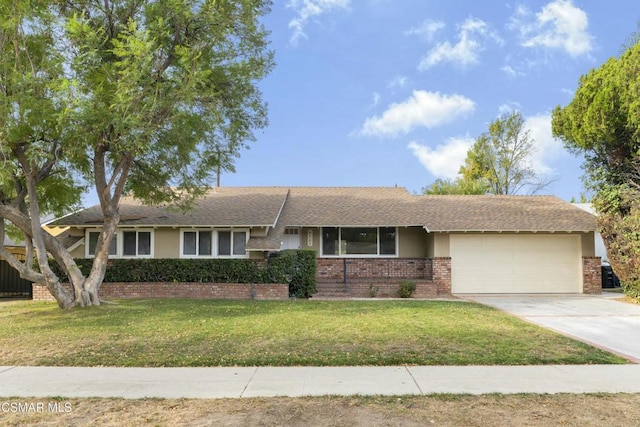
359	241
136	243
232	243
125	243
93	243
204	243
197	243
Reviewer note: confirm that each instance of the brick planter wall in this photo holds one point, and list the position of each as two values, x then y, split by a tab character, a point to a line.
591	275
259	291
332	269
432	276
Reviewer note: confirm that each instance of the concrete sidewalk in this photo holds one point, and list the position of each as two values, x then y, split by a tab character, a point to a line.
133	383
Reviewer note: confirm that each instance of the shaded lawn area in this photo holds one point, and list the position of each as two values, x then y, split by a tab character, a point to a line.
175	332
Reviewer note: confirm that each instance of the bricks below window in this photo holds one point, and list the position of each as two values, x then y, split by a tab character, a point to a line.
258	291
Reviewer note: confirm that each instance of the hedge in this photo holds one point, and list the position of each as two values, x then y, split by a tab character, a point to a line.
295	267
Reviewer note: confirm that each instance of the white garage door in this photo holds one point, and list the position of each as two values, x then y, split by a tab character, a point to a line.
485	263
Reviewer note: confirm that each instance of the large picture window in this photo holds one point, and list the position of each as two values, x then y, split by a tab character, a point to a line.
359	241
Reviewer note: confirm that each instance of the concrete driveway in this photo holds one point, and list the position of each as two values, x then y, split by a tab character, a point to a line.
598	320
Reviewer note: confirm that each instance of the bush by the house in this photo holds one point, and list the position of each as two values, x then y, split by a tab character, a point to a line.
406	289
297	268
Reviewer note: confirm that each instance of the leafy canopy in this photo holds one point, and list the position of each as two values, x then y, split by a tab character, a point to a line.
602	122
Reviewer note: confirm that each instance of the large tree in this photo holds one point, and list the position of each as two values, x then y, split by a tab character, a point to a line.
157	97
458	186
501	158
499	162
602	122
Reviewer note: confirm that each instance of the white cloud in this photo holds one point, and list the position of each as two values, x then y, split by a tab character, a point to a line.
548	148
445	160
426	30
308	9
398	82
473	33
422	109
559	25
511	72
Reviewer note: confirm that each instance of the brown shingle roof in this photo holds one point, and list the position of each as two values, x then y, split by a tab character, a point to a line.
503	213
221	207
351	206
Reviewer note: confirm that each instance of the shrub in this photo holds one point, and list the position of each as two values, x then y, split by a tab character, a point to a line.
373	291
295	267
406	289
177	270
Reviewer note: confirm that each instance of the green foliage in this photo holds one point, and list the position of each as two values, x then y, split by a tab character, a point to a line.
499	160
406	289
179	270
459	186
166	88
602	122
373	290
619	225
297	268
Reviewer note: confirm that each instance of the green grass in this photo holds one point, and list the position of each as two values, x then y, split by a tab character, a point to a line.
173	332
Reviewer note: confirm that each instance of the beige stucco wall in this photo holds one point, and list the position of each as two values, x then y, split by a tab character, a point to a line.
166	243
412	242
304	237
588	244
441	245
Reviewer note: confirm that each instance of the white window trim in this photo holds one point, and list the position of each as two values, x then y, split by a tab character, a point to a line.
120	242
232	230
136	230
340	255
214	241
88	240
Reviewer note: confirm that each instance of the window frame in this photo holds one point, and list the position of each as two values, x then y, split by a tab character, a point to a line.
119	236
378	246
215	250
137	231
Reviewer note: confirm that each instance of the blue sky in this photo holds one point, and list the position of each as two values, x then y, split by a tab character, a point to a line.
394	92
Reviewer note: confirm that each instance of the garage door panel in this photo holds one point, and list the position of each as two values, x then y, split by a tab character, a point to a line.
540	263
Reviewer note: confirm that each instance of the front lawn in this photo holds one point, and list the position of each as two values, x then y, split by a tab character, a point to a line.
173	332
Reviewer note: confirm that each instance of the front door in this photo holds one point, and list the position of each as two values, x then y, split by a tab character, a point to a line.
291	238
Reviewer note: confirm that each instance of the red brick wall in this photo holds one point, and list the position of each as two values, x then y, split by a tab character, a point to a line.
332	269
182	290
591	275
424	289
441	267
432	276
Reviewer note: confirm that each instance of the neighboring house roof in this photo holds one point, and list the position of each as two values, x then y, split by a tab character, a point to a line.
280	207
221	207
